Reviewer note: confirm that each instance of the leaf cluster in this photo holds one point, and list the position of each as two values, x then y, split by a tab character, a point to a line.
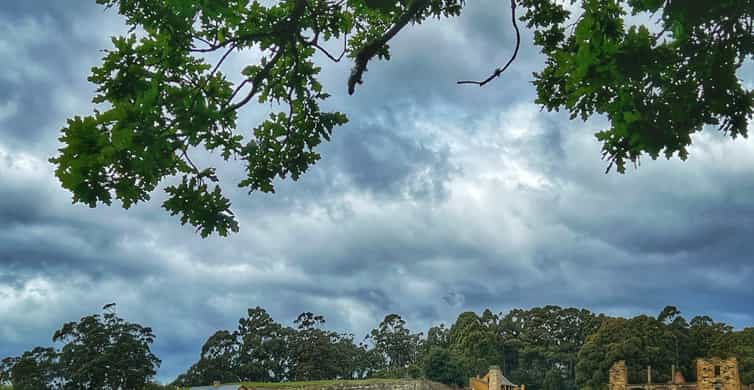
656	90
160	99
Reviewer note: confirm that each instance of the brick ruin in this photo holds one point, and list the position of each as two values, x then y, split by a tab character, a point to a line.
711	374
493	380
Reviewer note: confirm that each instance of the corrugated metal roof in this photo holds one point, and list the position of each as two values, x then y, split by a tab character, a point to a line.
506	382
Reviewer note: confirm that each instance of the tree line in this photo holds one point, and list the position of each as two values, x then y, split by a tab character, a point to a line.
545	348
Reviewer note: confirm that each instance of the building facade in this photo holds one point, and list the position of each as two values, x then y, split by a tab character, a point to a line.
493	380
711	374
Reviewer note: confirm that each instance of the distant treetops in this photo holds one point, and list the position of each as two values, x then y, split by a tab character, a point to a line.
543	348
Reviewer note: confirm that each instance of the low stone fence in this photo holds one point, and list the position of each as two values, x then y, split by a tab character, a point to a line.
406	384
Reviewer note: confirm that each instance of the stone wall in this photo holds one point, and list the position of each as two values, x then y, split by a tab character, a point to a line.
495	378
717	374
618	376
711	374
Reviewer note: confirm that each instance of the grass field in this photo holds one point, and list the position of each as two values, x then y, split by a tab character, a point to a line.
283	385
278	385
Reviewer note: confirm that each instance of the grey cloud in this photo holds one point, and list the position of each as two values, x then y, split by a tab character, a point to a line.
381	161
433	200
49	49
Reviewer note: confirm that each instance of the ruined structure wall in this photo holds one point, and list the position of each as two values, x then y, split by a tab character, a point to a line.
495	378
478	384
618	376
728	378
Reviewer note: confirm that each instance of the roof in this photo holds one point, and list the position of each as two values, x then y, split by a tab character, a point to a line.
505	382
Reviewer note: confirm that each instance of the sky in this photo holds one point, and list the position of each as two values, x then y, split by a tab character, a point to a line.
433	200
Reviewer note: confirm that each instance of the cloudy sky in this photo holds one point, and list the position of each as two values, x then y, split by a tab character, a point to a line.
434	199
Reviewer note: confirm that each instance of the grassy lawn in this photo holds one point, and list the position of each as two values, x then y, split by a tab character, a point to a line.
276	385
282	385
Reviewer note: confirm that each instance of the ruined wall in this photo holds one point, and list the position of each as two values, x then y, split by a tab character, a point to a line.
723	372
479	384
495	378
618	376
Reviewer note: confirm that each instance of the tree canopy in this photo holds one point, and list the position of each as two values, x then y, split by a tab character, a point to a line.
99	352
659	342
160	98
545	348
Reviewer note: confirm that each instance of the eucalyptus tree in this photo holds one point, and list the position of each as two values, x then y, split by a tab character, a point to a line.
98	352
474	342
395	342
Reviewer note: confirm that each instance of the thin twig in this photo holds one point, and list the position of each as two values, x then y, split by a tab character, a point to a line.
212	46
330	56
500	71
238	88
659	34
184	152
314	42
222	59
256	82
259	78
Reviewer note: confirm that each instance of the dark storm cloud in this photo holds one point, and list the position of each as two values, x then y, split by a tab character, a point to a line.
434	199
379	160
48	48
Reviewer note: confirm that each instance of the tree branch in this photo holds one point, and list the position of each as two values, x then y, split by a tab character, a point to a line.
222	59
370	49
500	71
316	45
256	82
281	27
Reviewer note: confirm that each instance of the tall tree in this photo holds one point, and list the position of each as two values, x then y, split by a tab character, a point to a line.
641	341
742	346
395	342
709	338
545	341
437	361
220	359
315	349
474	342
263	350
441	365
159	98
258	350
34	370
437	336
369	361
264	344
99	352
106	352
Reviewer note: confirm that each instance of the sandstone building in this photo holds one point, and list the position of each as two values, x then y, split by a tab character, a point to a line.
711	374
494	380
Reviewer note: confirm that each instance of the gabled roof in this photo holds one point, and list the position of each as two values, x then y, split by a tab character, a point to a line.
505	381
